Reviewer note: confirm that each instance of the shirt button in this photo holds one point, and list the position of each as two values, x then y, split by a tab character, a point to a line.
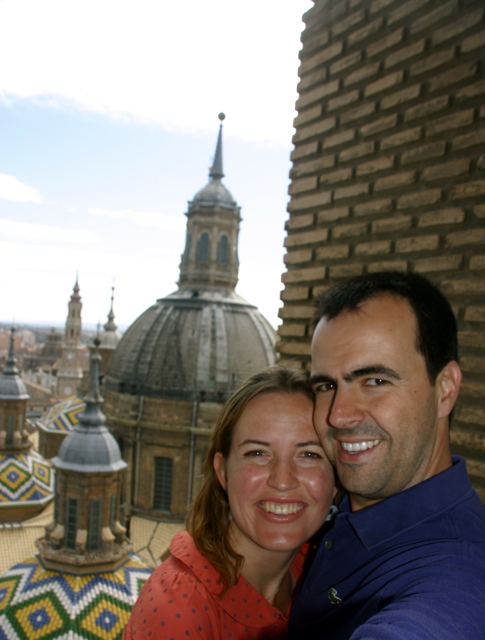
328	544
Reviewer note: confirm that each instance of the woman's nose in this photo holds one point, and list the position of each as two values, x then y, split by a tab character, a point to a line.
283	475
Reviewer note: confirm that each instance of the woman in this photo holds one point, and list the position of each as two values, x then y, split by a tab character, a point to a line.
267	489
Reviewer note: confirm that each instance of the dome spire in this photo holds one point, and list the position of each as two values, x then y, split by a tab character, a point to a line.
216	172
11	364
110	325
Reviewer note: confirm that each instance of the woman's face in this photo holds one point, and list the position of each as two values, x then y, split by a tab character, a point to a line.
278	480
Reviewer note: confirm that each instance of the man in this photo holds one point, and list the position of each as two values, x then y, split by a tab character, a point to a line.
405	558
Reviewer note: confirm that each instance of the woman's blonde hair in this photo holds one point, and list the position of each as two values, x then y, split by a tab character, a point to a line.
208	518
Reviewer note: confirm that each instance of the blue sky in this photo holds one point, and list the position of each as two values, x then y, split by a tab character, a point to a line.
108	124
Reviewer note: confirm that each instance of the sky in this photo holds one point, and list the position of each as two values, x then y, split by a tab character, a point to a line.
108	126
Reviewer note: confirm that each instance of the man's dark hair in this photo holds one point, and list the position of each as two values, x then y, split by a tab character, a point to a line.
436	324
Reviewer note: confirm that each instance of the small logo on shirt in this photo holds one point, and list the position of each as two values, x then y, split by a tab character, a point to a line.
332	596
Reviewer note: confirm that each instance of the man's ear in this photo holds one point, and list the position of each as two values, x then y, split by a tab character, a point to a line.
220	469
448	386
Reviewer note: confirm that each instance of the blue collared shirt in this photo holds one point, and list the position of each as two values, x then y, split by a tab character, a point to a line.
411	567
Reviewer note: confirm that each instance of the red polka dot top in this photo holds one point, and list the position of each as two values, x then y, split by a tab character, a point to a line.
181	600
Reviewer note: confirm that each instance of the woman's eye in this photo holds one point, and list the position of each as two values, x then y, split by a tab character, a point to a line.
255	454
311	455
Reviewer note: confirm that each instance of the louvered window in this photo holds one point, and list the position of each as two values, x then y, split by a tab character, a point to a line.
94	532
162	491
71	523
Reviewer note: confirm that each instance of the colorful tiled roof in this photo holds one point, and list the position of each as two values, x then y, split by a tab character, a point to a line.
63	416
38	604
25	479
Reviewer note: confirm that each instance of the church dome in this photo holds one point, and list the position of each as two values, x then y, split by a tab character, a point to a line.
214	194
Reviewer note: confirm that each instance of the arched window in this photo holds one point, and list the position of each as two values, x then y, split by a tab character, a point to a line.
203	253
188	247
223	250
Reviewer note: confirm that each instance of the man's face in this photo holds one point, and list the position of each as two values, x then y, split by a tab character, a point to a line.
376	411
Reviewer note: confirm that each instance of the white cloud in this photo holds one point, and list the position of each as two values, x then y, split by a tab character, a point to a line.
175	64
15	191
46	233
154	220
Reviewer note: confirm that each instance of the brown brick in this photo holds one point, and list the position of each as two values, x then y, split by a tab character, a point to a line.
373	207
379	164
295	293
403	137
362	111
471	416
316	41
365	32
299	222
477	263
317	94
385	43
395	181
349	230
424	152
292	330
303	184
421	243
295	348
338	139
345	63
460	238
388	225
294	257
446	170
343	101
404	54
309	202
482	111
303	133
471	91
442	263
329	215
457	26
345	270
426	108
453	121
378	5
404	95
405	10
358	151
419	199
476	314
468	190
432	61
473	390
434	16
336	176
308	115
303	150
457	74
384	83
373	248
379	125
347	23
444	216
469	140
394	265
317	292
321	57
473	42
474	365
335	252
463	287
471	339
351	191
297	312
303	275
320	164
316	77
361	74
479	210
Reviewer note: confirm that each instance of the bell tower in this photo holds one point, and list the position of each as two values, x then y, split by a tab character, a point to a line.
70	371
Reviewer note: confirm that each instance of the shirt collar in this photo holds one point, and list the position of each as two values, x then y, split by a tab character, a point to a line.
407	509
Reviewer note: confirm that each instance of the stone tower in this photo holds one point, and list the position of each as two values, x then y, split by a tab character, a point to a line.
389	171
70	371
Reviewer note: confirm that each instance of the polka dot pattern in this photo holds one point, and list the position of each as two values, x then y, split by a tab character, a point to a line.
182	601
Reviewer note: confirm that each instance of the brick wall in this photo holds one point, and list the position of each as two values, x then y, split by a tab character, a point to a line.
389	170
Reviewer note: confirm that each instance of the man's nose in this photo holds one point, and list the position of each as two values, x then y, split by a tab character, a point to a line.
283	475
346	410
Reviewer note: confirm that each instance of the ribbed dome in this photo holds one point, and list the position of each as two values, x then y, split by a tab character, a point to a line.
213	194
192	345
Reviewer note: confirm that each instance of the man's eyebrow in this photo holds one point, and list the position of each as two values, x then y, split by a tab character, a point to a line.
373	370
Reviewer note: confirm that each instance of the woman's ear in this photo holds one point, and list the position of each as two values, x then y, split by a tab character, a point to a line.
220	469
449	386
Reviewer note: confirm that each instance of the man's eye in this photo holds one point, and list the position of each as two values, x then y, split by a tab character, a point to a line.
325	386
376	382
